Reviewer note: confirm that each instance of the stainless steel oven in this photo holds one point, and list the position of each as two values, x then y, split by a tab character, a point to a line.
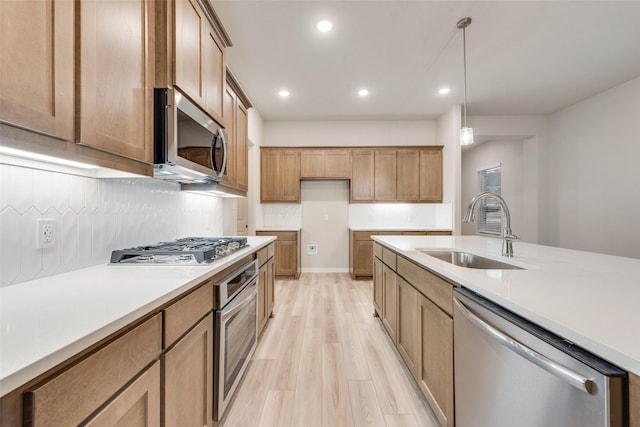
236	328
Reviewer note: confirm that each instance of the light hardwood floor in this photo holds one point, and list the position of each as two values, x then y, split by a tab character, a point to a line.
324	360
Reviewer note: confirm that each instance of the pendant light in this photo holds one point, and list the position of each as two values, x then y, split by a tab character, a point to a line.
466	133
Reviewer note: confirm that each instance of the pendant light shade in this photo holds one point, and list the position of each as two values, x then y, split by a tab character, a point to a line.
466	133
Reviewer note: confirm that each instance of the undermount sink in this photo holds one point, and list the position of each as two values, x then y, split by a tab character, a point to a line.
468	260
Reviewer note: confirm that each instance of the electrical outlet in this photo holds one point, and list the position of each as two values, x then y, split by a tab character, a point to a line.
312	249
45	233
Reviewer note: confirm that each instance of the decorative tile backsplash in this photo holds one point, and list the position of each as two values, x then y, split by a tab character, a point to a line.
93	217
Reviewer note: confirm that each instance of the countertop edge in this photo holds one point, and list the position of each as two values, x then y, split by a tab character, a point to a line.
13	380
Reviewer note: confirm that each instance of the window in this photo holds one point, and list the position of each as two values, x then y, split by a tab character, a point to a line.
490	212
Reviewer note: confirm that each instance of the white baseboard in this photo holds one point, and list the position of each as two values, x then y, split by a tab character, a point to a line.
325	270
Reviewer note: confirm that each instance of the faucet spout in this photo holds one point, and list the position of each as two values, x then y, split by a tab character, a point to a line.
507	235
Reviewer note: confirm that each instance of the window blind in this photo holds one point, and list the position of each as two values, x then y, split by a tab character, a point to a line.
490	213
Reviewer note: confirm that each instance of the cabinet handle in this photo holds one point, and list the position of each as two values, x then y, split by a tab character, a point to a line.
575	379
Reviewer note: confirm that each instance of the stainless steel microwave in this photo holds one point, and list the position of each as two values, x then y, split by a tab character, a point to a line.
189	146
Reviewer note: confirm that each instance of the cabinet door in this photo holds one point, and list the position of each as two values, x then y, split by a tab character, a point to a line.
262	296
213	73
289	176
312	164
229	112
431	175
337	164
435	360
385	176
242	147
37	66
269	190
190	27
73	395
286	258
117	75
390	304
188	378
408	176
408	339
362	258
271	291
362	167
138	405
377	286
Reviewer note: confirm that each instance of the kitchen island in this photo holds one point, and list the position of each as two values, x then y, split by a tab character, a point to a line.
586	298
47	322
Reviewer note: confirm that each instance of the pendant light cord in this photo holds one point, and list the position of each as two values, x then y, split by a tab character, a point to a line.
464	61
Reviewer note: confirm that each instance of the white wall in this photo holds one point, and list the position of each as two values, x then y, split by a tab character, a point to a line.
325	223
349	133
94	217
447	131
533	131
594	173
509	155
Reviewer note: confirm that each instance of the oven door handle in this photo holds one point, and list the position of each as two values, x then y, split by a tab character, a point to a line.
240	301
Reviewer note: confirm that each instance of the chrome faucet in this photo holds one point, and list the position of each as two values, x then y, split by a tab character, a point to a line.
507	235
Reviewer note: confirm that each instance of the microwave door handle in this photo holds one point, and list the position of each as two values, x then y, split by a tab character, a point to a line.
212	154
575	379
224	152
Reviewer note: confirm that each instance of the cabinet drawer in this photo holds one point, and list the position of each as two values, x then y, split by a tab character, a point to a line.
389	258
263	256
72	396
362	235
436	289
265	253
377	250
186	312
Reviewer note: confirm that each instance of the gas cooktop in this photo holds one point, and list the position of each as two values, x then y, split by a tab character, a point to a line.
185	251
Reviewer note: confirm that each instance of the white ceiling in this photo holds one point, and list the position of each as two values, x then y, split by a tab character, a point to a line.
523	57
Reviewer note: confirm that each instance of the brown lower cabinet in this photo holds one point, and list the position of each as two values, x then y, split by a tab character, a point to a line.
423	332
266	281
287	252
188	378
156	371
361	248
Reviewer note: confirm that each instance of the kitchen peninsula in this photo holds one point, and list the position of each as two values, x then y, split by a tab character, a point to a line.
589	299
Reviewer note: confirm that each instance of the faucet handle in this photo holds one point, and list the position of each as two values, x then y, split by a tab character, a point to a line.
510	237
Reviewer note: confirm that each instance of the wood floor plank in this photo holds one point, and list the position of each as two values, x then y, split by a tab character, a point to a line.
278	409
324	360
364	404
336	409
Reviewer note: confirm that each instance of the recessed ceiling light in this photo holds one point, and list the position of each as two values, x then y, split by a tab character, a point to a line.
444	90
363	92
324	26
284	93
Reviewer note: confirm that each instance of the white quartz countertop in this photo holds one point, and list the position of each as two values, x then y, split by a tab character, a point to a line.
399	229
590	299
44	322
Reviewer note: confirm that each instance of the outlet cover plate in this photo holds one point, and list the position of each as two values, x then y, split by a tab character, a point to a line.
45	233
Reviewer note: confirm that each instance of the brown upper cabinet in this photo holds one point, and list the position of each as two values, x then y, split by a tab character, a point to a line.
117	77
325	163
393	174
197	56
235	111
279	175
36	66
362	174
397	174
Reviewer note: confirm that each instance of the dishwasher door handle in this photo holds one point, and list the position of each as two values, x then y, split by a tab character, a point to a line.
575	379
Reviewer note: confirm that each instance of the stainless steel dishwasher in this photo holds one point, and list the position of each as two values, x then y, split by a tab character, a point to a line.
510	372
